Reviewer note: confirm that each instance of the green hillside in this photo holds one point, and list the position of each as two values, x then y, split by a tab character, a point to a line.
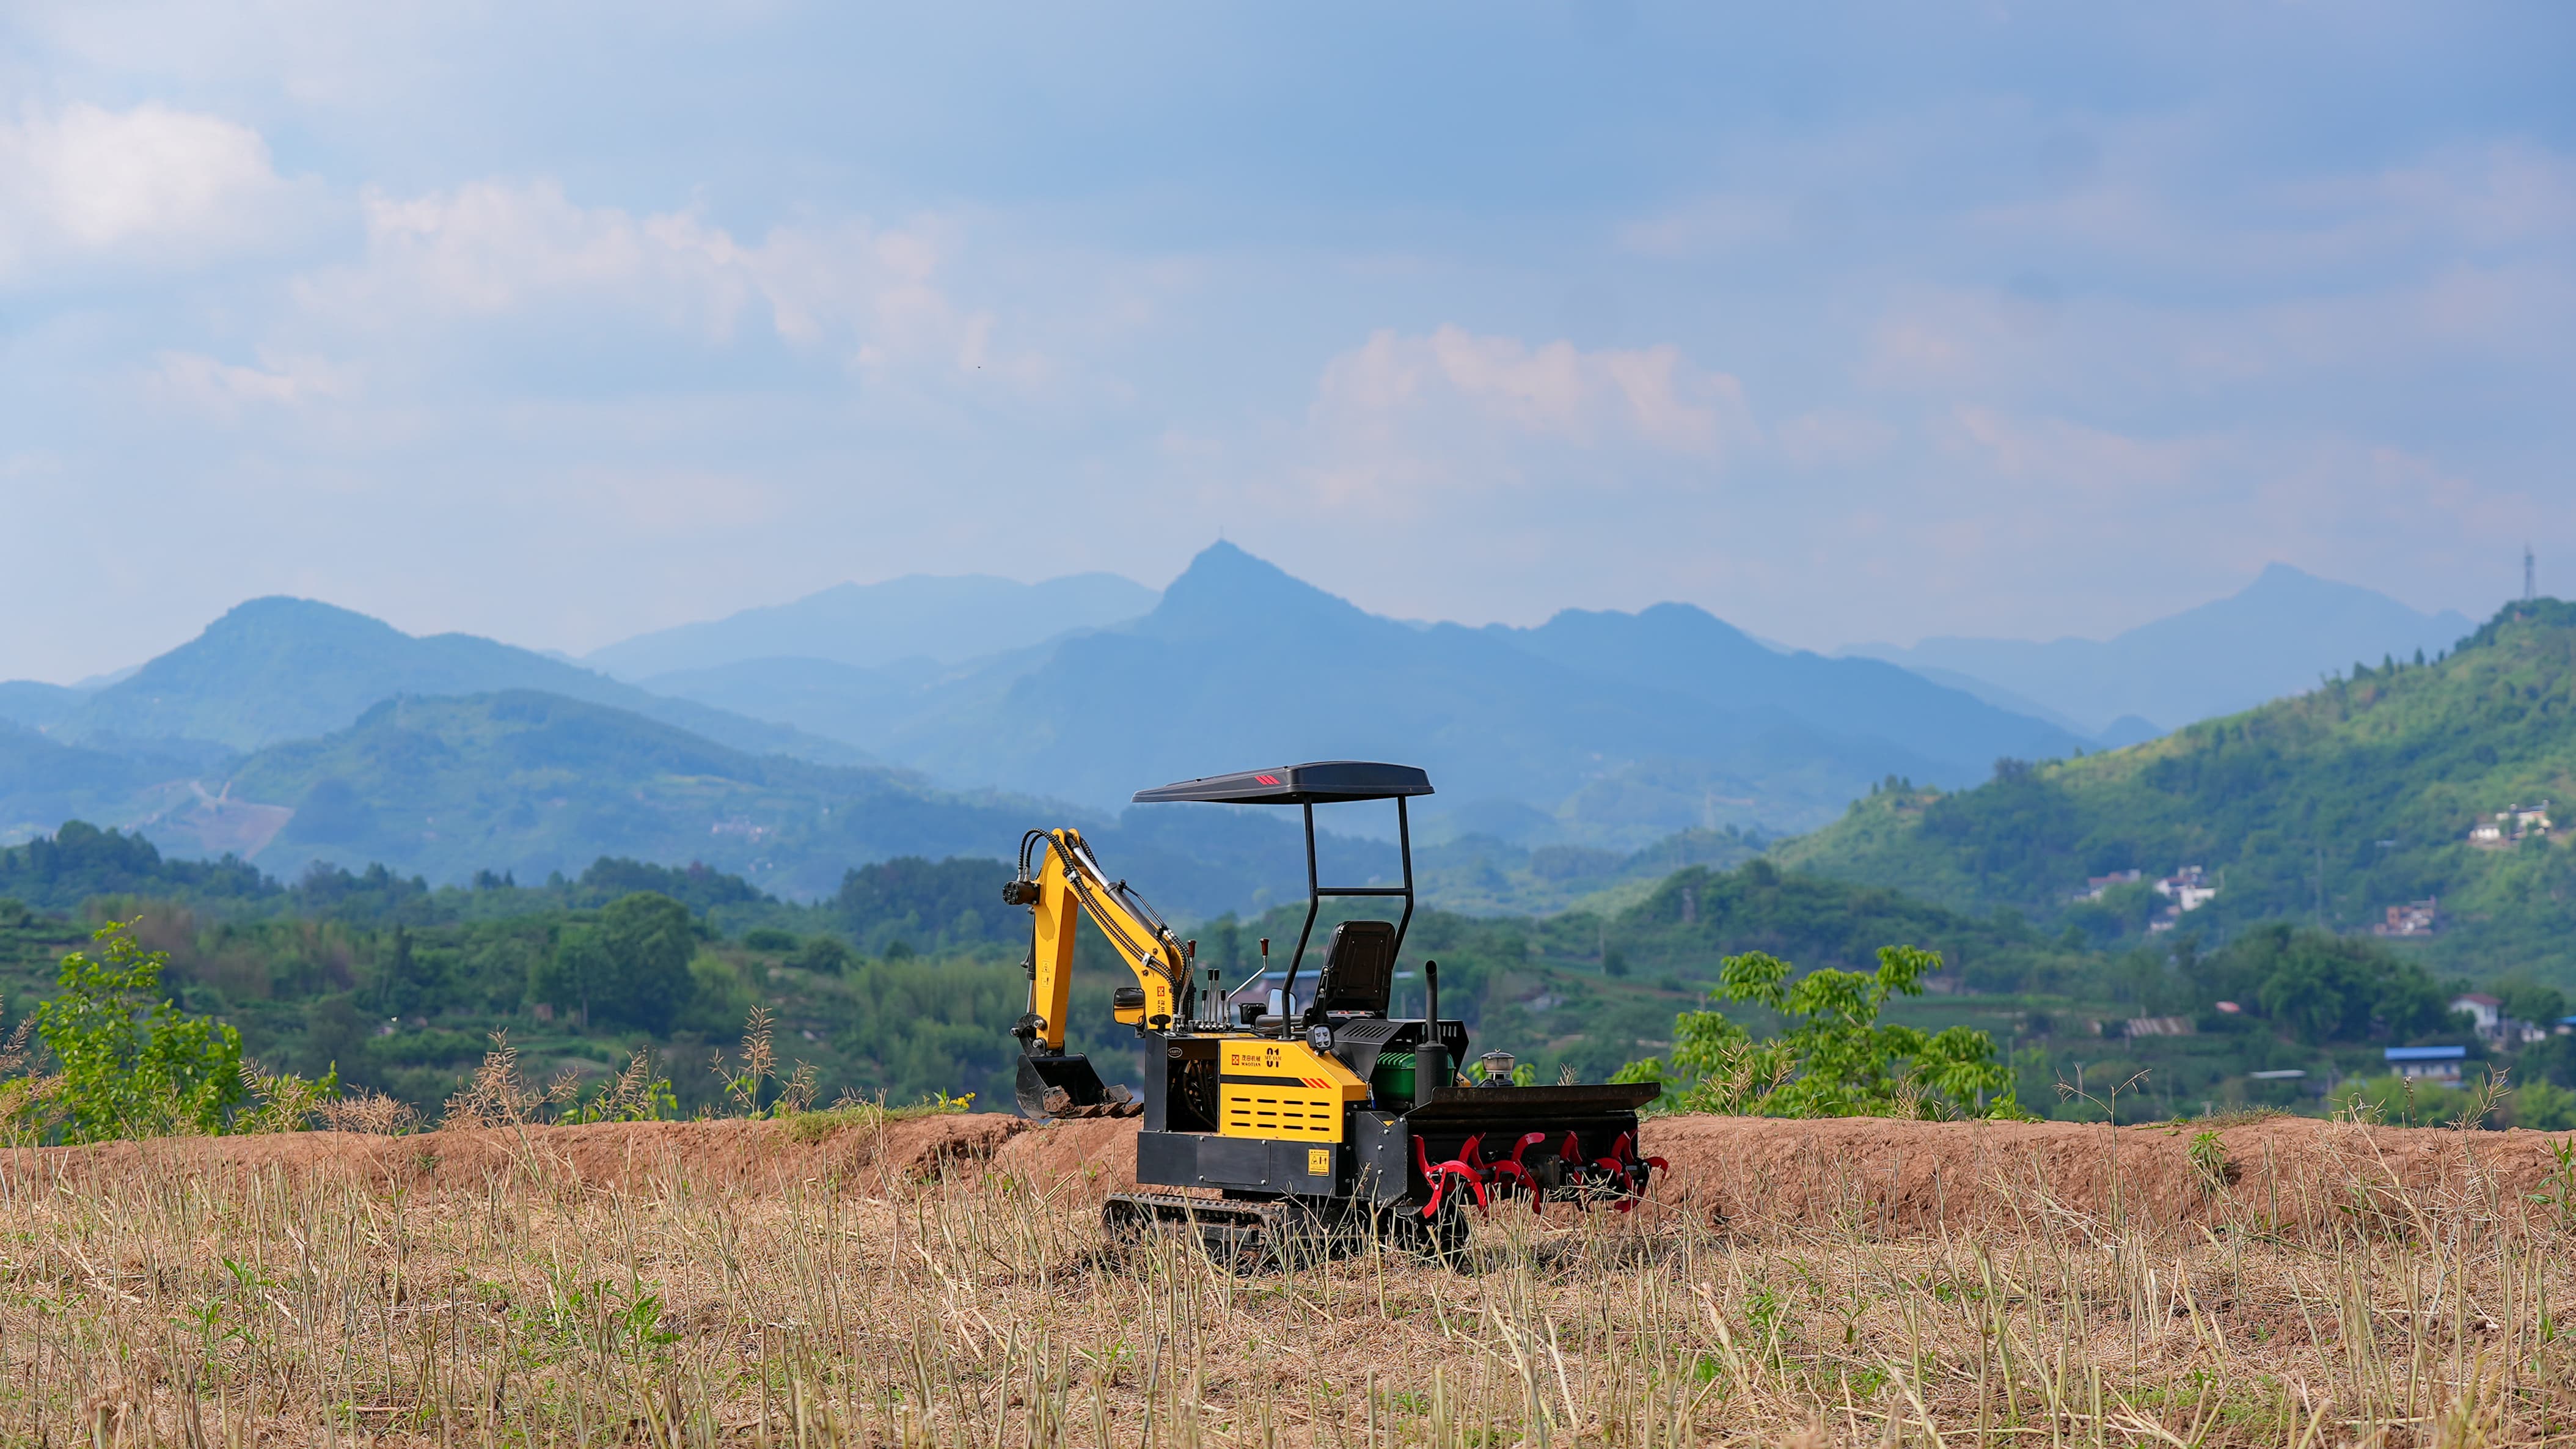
2327	808
535	783
1485	875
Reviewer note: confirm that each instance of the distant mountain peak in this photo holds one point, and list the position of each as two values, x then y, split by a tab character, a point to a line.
270	609
1226	590
2268	639
279	668
1222	564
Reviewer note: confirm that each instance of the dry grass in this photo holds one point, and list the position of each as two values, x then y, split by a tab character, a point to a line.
145	1300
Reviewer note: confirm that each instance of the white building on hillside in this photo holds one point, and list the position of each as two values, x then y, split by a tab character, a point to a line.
2484	1011
2513	823
2188	888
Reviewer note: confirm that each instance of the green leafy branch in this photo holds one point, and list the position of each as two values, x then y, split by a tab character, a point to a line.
1834	1059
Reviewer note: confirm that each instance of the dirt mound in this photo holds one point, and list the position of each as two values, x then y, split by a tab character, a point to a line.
1098	1154
1871	1176
721	1154
1886	1177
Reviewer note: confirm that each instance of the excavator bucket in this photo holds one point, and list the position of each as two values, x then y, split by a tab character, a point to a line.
1050	1086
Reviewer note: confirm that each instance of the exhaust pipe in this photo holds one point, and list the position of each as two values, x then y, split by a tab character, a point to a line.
1431	1058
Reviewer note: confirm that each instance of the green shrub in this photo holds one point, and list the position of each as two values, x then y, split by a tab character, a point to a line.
824	954
133	1064
1835	1060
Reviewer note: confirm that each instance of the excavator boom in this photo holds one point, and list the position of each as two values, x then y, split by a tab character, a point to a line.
1067	886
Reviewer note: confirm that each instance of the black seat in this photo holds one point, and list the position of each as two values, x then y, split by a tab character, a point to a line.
1359	970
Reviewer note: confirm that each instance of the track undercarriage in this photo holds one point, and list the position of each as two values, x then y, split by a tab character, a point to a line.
1424	1190
1259	1235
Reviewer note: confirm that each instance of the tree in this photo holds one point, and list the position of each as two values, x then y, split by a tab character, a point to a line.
2528	1000
632	967
577	969
824	954
410	985
2321	987
649	942
1835	1060
134	1065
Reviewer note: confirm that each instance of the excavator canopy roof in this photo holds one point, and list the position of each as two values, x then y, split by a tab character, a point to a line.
1321	782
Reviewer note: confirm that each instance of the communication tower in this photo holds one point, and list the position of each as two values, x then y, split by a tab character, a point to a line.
2529	593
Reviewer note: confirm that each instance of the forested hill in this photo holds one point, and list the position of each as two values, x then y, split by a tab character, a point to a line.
2327	807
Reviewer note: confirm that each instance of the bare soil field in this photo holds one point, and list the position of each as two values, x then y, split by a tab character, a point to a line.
944	1280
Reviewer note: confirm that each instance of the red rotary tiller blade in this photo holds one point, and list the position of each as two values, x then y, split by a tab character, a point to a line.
1440	1174
1513	1166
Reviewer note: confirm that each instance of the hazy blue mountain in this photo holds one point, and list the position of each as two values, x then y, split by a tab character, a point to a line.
279	669
2273	638
1994	694
1685	650
44	782
2128	730
943	619
36	705
1627	727
532	783
838	701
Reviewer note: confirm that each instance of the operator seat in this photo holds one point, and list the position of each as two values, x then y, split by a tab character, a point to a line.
1359	971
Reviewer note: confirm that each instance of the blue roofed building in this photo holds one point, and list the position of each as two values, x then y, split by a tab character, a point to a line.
2429	1063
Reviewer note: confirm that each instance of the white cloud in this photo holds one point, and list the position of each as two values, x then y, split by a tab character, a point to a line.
496	250
1404	418
198	383
2060	501
1555	390
2157	205
82	184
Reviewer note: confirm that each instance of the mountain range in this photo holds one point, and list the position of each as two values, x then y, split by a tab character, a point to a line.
1592	750
2275	637
277	669
1604	728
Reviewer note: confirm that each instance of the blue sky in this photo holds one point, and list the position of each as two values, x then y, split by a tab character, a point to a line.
1867	322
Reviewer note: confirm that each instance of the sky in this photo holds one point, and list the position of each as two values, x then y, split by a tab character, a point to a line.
1846	322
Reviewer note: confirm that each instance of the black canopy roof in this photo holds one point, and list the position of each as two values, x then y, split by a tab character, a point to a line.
1319	782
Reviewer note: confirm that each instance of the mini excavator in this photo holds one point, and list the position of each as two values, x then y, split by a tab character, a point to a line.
1303	1119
